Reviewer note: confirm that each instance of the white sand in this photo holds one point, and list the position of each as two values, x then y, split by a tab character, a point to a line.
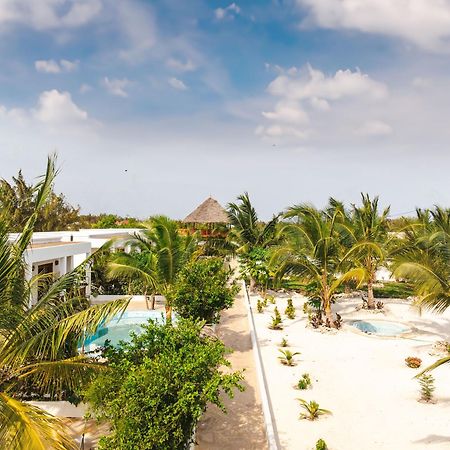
362	379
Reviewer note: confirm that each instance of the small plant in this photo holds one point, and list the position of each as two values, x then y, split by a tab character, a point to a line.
306	309
288	357
277	323
426	387
312	410
260	306
284	342
304	382
290	310
413	362
271	299
264	302
321	445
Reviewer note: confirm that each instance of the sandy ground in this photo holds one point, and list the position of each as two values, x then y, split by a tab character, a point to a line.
362	379
243	427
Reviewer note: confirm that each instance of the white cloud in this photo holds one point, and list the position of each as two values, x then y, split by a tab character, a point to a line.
374	128
55	107
307	95
52	66
84	88
181	66
426	23
116	86
177	84
229	12
48	14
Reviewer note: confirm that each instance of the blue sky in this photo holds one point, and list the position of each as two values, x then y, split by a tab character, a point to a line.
154	105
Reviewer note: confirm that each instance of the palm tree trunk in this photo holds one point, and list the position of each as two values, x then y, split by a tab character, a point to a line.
252	284
328	313
370	297
153	298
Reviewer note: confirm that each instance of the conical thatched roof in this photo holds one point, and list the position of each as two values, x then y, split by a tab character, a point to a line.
210	211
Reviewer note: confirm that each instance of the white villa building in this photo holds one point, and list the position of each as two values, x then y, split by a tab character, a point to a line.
59	252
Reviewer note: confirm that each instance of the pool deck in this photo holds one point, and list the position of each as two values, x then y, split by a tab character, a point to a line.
243	427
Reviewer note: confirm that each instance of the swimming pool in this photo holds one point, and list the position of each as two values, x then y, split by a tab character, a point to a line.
381	327
119	328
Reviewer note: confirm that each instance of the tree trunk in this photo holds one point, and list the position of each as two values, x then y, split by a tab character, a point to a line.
168	314
328	313
153	297
252	284
370	297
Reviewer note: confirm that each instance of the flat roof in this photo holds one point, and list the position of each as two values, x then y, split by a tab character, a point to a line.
51	244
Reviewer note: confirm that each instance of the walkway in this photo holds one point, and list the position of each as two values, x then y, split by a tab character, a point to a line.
243	427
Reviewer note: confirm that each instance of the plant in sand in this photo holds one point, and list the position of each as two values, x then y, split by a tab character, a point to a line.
426	382
304	382
290	310
260	306
284	342
321	445
413	362
288	357
312	410
277	323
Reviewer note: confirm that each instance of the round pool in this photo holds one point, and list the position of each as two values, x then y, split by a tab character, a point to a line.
381	327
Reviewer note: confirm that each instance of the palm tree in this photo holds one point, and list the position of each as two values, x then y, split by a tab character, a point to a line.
249	237
424	260
159	253
312	250
38	345
369	229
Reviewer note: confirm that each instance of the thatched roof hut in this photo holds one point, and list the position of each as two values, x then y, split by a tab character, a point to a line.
210	211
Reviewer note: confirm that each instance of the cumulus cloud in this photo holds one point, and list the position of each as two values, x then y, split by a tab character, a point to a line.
305	95
116	86
56	107
426	23
229	12
177	84
52	66
181	66
48	14
374	128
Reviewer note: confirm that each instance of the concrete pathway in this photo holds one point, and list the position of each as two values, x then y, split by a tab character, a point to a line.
243	427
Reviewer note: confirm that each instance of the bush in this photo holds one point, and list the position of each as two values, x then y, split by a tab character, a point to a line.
277	323
304	382
202	290
393	289
290	310
426	387
260	306
158	385
321	445
413	362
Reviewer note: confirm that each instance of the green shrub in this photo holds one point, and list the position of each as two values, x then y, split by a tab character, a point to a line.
304	382
321	445
202	290
393	289
271	299
260	306
277	323
426	382
288	357
290	310
312	410
284	342
158	385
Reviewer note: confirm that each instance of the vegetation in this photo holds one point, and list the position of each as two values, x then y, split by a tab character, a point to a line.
288	357
321	445
312	410
304	382
284	343
277	322
413	362
426	382
290	310
203	291
260	306
158	386
39	344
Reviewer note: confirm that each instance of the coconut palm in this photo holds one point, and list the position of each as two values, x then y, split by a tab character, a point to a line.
158	254
38	344
312	250
369	249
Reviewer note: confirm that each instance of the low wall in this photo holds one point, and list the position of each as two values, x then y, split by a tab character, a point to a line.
62	408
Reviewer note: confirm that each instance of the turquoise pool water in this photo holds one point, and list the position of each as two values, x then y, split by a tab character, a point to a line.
119	328
380	327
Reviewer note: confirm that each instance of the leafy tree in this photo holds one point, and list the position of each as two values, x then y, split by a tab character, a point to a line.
312	250
159	254
18	201
38	344
114	221
159	385
202	290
